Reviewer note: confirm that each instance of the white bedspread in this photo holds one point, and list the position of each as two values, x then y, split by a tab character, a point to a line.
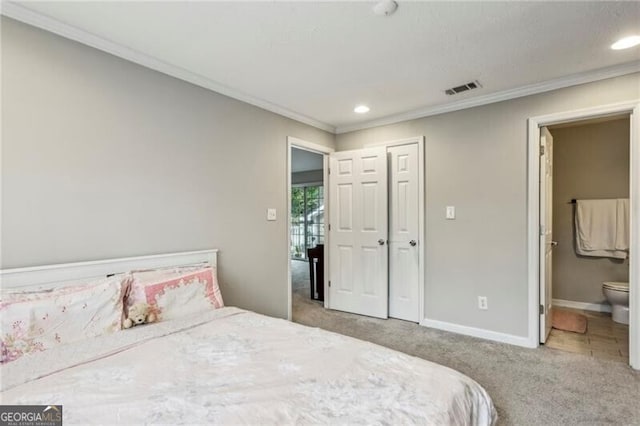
232	366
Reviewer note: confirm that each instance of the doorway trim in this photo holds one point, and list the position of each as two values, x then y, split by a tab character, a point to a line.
293	142
533	214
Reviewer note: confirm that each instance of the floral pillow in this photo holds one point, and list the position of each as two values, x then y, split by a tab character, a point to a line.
177	292
36	320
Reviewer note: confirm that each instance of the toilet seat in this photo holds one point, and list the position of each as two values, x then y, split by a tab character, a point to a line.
617	286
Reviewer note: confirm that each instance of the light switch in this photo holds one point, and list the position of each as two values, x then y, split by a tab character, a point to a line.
451	212
271	214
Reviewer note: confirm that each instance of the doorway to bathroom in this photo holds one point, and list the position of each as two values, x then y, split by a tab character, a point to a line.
585	160
587	165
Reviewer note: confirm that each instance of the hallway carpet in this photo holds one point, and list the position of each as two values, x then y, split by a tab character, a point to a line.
529	386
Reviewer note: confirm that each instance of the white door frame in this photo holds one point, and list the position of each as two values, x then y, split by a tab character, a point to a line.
421	215
293	142
533	215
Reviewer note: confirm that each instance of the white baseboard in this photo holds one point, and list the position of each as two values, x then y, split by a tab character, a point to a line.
597	307
478	332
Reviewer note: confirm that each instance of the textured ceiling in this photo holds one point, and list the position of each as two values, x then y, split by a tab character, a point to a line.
320	59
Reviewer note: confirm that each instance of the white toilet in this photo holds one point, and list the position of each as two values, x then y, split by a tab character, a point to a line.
617	294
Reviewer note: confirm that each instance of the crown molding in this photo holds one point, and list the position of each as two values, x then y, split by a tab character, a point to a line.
531	89
22	14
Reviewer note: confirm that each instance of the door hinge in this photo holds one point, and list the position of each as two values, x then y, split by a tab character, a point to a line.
329	227
328	170
329	283
541	309
541	150
541	229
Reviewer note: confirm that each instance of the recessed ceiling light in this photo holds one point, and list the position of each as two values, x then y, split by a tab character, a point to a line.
625	43
361	109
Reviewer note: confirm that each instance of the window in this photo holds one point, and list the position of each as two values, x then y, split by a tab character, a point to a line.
307	219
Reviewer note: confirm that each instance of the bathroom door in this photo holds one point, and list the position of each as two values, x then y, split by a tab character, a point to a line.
358	256
546	231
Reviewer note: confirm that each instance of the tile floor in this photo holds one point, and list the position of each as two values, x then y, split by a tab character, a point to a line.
603	339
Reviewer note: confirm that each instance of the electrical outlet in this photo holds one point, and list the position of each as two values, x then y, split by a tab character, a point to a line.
482	303
271	214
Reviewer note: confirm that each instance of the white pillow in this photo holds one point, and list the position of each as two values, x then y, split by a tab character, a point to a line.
36	320
175	293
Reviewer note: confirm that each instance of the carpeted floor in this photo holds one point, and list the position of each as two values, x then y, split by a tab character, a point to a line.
529	386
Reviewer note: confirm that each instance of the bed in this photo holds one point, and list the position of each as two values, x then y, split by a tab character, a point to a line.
231	366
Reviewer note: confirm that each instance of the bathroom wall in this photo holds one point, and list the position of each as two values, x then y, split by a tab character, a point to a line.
590	161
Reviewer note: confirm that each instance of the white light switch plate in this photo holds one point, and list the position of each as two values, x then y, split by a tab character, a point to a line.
451	212
271	214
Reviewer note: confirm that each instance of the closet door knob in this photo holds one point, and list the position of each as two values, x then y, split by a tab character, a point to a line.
381	241
554	243
412	243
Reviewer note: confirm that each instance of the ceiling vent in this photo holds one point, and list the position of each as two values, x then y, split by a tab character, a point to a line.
463	88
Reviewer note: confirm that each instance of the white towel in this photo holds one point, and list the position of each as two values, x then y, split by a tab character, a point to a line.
622	224
600	230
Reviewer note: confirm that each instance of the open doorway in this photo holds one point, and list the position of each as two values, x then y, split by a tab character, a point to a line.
588	229
307	225
542	224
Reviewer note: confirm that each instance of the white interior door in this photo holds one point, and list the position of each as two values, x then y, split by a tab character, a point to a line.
358	257
404	253
546	231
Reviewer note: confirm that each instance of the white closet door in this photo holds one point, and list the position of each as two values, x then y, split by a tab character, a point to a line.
358	271
404	254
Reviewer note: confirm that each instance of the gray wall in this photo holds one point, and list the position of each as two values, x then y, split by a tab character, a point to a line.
104	158
589	161
476	160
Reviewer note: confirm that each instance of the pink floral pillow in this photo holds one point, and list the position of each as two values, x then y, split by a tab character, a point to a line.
177	292
36	320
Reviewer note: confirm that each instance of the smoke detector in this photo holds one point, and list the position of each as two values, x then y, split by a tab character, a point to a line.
385	7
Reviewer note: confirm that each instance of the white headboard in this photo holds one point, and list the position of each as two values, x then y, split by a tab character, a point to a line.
60	273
